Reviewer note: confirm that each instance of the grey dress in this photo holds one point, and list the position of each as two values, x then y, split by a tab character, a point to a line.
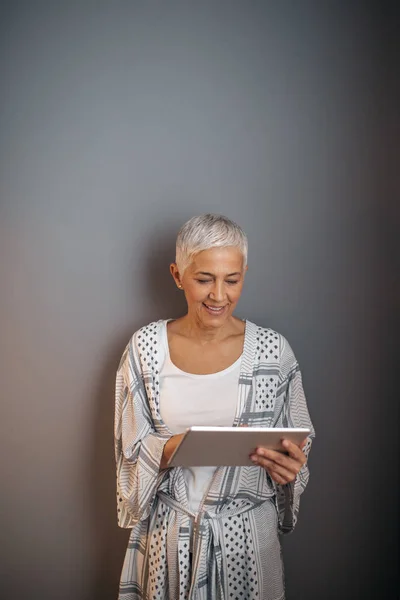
232	551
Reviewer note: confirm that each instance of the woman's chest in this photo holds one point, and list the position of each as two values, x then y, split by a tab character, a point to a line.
207	359
202	400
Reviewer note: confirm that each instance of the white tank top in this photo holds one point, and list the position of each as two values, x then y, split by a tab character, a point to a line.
187	399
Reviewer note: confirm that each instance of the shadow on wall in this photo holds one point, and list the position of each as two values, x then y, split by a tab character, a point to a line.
163	300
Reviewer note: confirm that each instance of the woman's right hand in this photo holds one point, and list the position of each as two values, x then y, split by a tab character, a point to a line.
169	449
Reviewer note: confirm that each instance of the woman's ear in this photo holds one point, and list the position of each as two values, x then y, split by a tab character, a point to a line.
175	275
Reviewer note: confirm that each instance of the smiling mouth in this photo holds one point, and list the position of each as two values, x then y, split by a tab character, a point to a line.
215	310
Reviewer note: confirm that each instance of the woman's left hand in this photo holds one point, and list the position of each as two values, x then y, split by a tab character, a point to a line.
282	468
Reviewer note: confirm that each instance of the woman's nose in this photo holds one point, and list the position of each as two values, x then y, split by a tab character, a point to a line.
218	292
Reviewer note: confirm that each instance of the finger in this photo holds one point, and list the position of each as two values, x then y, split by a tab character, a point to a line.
294	451
277	478
289	471
277	472
287	462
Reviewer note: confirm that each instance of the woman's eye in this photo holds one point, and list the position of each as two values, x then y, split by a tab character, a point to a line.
231	282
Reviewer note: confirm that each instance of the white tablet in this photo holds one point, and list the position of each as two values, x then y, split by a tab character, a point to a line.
229	446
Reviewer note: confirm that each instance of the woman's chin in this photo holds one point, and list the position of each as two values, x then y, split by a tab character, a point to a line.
214	318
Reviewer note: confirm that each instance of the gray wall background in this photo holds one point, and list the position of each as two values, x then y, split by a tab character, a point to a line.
118	122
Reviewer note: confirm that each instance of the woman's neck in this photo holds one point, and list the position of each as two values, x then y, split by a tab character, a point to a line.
192	327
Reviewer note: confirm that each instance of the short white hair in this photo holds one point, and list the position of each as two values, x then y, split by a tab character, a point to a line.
205	232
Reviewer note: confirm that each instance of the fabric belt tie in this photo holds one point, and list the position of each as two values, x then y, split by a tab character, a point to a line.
209	519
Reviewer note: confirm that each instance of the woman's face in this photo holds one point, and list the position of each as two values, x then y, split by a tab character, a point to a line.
212	284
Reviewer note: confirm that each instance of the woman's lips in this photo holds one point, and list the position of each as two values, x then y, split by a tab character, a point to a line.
216	311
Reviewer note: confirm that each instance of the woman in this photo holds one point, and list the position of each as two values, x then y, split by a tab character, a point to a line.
207	533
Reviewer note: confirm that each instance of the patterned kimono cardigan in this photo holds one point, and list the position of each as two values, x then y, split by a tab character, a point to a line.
173	553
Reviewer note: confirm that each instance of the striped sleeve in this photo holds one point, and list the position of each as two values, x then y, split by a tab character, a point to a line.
294	413
138	448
